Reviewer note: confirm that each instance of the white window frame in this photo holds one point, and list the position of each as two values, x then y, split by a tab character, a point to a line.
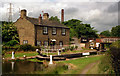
45	30
63	31
25	41
54	31
61	43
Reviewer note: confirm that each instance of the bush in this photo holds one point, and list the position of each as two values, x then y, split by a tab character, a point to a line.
72	48
25	47
11	43
76	47
115	56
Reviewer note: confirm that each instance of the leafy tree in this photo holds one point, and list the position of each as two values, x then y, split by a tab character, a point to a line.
116	31
54	18
9	32
78	29
106	33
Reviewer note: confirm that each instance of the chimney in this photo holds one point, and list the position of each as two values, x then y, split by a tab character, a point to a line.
23	13
62	15
45	16
40	19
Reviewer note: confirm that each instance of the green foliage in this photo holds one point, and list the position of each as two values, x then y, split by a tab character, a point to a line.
115	56
78	29
9	32
26	47
116	31
106	33
76	47
11	43
111	61
105	66
71	48
54	18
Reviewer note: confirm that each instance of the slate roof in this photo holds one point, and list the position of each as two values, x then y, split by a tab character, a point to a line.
45	22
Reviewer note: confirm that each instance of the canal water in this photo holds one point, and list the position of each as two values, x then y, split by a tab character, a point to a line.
21	67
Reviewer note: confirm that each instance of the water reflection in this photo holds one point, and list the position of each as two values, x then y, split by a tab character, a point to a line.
21	67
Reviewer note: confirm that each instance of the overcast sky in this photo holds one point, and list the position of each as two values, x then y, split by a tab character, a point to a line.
100	14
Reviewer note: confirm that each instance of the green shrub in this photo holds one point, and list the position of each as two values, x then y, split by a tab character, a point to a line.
72	48
76	47
25	47
11	43
28	47
105	66
115	56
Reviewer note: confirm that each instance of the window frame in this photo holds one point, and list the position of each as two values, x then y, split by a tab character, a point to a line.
61	42
25	41
63	33
54	28
45	31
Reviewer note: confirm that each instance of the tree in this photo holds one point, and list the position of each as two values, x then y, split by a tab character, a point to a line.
106	33
116	31
54	18
78	29
9	32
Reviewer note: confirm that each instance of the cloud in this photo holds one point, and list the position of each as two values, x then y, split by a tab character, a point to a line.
101	15
112	8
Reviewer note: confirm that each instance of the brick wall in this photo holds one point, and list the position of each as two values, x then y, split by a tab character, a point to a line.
58	37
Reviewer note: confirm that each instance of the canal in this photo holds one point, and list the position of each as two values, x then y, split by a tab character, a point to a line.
21	67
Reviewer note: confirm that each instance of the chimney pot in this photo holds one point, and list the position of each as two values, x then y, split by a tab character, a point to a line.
45	16
40	19
23	13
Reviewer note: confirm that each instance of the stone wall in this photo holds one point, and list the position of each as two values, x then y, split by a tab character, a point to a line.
25	30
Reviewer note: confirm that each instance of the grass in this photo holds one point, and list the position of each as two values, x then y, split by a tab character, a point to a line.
34	60
53	69
94	69
81	63
20	54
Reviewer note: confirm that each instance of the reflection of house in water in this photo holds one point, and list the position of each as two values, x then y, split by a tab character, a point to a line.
42	31
22	67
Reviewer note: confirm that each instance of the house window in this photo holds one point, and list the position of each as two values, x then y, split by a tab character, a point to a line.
45	30
61	43
45	43
38	43
25	41
54	31
63	31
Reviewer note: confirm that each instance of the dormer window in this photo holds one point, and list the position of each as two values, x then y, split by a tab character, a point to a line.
54	31
45	30
63	31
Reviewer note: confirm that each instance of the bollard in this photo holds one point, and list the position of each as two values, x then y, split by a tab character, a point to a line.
91	47
58	52
13	55
12	65
51	60
37	50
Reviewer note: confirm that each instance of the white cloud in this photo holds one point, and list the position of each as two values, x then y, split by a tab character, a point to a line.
89	12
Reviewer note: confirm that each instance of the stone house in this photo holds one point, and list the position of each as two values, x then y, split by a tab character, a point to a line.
41	31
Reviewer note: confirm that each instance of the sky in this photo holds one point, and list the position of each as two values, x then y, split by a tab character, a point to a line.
101	14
